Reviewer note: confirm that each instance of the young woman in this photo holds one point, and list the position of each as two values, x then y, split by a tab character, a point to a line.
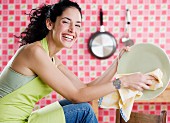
34	71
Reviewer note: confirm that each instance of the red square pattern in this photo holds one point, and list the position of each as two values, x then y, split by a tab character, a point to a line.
150	23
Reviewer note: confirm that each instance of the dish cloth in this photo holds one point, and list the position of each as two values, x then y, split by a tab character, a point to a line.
123	98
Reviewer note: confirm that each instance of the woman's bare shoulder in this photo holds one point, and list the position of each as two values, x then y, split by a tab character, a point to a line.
33	48
35	53
26	57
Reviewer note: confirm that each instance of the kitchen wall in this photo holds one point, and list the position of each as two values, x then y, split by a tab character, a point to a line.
150	23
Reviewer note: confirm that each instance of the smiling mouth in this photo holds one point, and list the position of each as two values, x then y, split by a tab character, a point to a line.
68	37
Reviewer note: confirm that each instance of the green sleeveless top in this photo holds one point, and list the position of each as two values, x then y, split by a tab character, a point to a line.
11	80
17	106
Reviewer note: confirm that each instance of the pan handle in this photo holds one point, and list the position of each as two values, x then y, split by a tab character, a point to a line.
128	16
128	22
101	17
101	21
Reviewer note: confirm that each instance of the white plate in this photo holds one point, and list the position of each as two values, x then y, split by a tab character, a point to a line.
146	57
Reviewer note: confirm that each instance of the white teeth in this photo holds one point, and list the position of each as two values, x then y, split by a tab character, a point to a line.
68	36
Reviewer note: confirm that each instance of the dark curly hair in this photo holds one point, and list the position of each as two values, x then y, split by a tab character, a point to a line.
37	30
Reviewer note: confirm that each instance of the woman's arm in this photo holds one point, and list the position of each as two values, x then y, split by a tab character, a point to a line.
110	72
107	75
34	60
62	80
104	78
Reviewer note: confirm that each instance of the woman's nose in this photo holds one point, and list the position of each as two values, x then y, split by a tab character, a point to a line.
71	28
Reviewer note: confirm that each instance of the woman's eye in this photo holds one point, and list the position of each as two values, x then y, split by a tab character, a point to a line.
78	26
67	22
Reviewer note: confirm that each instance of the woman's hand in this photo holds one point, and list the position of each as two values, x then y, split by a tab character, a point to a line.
122	51
136	81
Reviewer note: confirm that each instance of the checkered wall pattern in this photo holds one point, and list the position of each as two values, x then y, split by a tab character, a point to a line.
150	23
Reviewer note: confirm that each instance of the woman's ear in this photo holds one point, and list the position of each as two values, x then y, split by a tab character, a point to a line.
49	24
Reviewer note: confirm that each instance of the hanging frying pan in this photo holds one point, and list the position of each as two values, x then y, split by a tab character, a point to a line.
102	44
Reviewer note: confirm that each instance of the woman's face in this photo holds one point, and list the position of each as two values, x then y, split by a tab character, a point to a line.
67	28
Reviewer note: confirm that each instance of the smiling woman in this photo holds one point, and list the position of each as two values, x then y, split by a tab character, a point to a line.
22	82
67	27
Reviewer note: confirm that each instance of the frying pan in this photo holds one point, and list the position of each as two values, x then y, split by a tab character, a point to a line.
102	44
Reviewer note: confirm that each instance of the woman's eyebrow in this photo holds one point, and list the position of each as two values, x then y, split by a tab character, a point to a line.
70	19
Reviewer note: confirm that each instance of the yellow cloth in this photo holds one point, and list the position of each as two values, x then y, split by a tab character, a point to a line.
123	99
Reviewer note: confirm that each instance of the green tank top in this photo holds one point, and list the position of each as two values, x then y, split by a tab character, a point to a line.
11	80
17	106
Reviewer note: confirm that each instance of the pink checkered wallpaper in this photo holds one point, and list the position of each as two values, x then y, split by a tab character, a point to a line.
150	23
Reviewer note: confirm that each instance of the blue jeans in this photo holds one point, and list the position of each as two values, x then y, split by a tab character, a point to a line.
78	113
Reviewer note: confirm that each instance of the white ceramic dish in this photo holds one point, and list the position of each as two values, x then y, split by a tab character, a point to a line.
146	57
